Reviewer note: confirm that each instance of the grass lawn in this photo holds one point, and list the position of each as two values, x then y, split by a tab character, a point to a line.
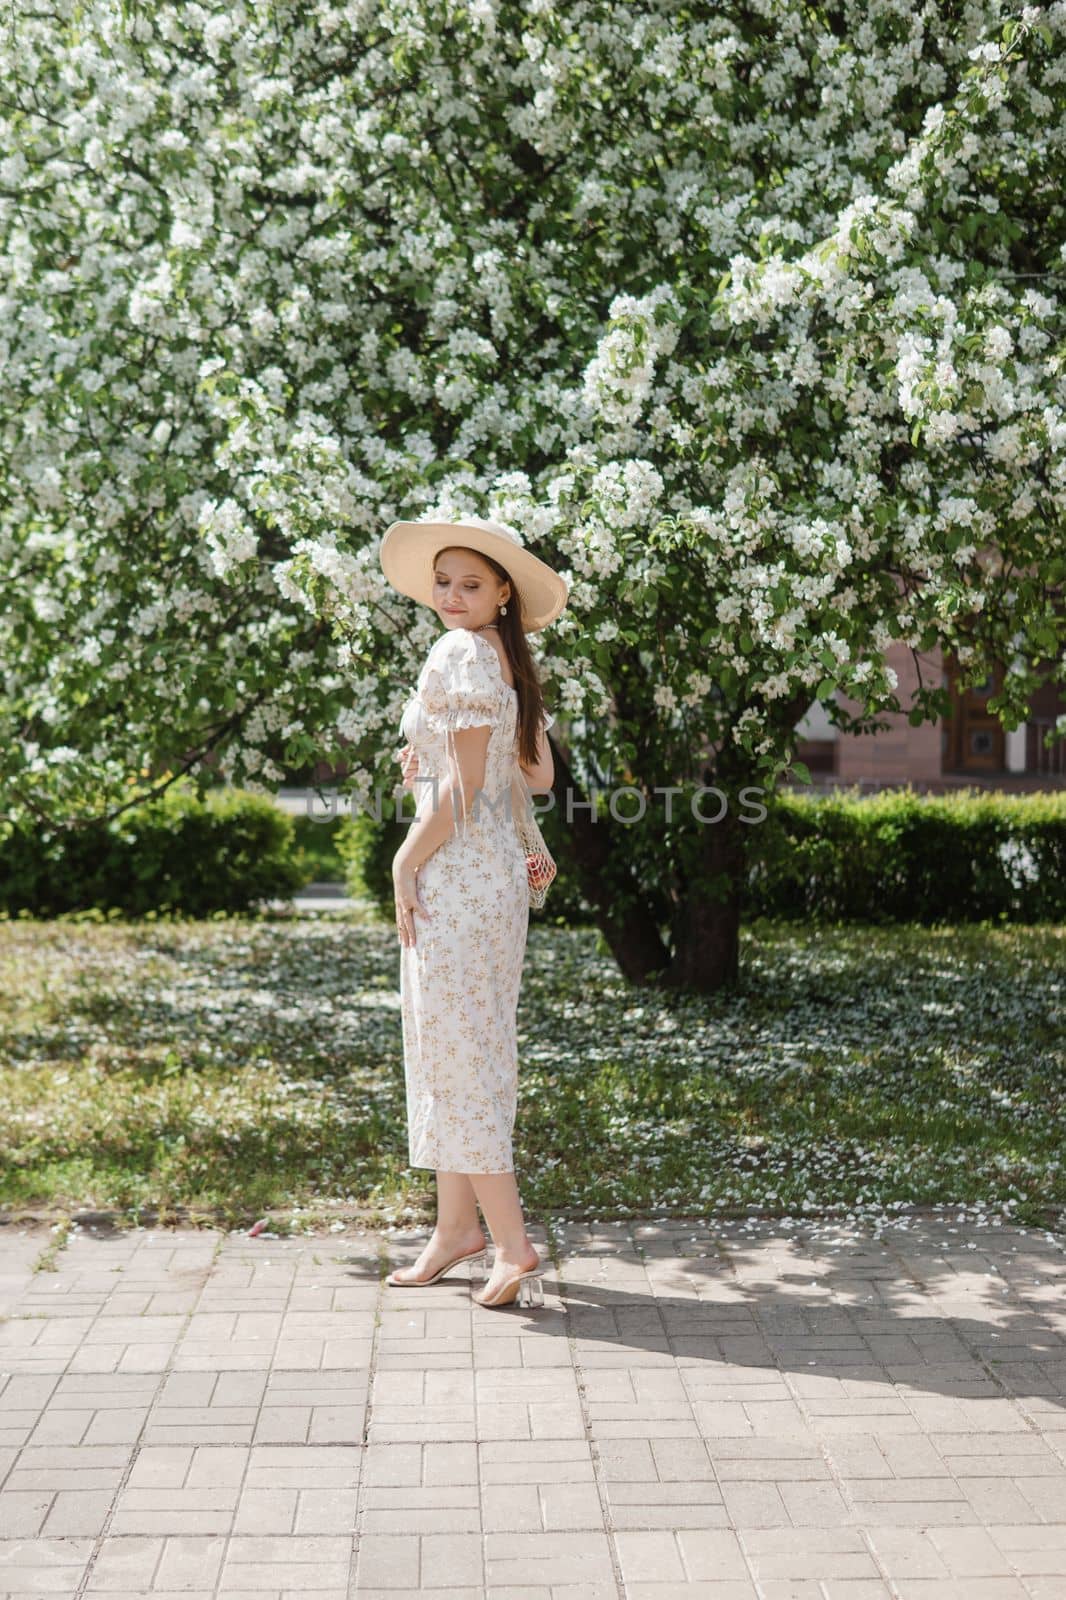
228	1069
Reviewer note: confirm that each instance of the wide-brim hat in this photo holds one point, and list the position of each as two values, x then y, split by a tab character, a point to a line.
407	550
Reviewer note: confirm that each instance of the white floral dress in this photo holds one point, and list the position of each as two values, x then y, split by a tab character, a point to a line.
459	982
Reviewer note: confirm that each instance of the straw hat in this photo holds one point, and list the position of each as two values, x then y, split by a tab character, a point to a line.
407	549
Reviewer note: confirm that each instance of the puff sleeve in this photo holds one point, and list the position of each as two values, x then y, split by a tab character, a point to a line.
460	688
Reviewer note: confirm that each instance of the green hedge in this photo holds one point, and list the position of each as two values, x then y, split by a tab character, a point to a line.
179	853
899	856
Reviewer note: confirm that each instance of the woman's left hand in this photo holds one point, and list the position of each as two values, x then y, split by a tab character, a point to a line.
408	902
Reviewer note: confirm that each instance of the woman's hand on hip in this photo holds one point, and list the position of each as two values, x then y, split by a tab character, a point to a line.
409	765
408	902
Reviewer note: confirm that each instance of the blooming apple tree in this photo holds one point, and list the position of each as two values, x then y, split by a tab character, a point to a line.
748	317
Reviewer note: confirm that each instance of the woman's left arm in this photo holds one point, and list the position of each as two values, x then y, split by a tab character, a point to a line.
461	701
541	775
431	830
437	824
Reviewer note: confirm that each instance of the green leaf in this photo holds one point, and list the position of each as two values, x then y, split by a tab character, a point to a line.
800	771
826	688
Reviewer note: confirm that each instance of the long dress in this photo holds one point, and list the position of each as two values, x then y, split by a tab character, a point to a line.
459	981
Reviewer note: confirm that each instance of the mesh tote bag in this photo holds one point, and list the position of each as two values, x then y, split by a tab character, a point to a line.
540	867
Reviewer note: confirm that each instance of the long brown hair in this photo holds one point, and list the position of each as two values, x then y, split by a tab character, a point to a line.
526	682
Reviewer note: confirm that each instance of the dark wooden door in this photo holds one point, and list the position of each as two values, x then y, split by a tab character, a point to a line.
976	740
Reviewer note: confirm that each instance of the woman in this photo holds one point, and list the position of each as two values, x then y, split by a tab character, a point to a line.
476	715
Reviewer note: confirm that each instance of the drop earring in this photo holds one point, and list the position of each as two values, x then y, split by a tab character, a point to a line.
503	611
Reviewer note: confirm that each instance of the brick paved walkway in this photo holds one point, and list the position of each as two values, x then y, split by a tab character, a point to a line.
713	1413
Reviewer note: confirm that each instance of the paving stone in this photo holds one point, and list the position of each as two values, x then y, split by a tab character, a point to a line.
557	1461
730	1589
755	1505
913	1553
77	1511
42	1566
650	1557
568	1506
817	1566
969	1552
555	1559
277	1562
962	1589
462	1593
713	1555
189	1560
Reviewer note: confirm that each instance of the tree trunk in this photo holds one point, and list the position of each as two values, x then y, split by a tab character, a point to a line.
703	955
632	933
706	955
706	929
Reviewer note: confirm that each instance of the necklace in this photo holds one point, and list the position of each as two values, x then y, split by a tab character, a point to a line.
487	625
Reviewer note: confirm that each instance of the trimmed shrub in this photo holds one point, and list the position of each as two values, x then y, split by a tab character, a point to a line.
967	856
180	853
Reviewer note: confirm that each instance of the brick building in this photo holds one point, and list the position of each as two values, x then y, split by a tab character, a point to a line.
968	748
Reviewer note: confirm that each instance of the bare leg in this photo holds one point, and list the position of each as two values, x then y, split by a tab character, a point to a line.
457	1231
497	1194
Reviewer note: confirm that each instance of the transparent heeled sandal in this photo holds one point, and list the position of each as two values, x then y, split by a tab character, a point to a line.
531	1291
478	1269
525	1287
